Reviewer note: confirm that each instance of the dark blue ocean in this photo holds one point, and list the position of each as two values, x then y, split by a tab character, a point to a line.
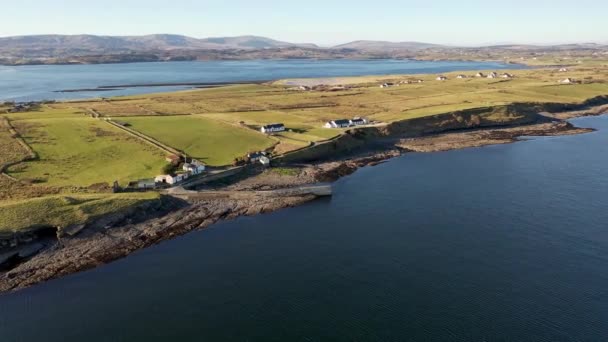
499	243
41	82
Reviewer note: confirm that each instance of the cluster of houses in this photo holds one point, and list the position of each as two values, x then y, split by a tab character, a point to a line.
193	168
390	84
478	75
320	87
344	123
273	128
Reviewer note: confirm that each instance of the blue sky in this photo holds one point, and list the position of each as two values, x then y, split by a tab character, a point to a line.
324	22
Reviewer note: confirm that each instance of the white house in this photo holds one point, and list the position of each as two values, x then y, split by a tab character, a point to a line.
441	78
492	75
480	74
273	128
461	76
563	70
358	122
170	179
386	85
342	123
506	75
567	81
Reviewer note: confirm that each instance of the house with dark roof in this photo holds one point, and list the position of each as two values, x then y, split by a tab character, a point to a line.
273	128
358	122
342	123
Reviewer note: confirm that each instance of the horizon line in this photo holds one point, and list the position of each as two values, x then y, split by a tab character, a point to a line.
453	45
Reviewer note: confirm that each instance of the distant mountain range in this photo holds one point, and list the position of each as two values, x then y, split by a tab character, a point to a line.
139	43
79	49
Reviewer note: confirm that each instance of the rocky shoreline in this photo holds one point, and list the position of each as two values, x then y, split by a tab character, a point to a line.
171	217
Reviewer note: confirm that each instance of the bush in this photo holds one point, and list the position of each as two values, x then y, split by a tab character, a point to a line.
168	169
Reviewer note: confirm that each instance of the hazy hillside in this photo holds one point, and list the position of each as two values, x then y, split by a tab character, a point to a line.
383	45
91	49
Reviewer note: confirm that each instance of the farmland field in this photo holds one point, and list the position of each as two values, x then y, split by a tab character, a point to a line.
217	125
80	151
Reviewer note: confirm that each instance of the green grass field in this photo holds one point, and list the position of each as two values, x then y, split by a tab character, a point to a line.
63	211
210	141
80	151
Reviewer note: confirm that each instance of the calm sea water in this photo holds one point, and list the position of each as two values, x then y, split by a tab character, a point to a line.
29	83
500	243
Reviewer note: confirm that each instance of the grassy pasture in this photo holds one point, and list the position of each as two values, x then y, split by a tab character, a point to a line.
213	142
80	151
64	210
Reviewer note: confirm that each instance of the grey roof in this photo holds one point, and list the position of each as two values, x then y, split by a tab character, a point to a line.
275	125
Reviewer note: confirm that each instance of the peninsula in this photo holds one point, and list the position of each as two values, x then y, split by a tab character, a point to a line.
84	183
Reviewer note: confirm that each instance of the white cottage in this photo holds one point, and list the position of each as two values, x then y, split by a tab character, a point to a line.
273	128
342	123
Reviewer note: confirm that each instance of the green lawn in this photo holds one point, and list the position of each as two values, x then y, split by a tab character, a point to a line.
82	151
65	210
210	141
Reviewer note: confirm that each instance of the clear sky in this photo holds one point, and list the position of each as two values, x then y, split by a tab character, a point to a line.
325	22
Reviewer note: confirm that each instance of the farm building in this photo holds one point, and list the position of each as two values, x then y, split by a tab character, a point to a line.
567	81
506	75
386	85
480	74
273	128
441	78
492	75
342	123
461	76
563	70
